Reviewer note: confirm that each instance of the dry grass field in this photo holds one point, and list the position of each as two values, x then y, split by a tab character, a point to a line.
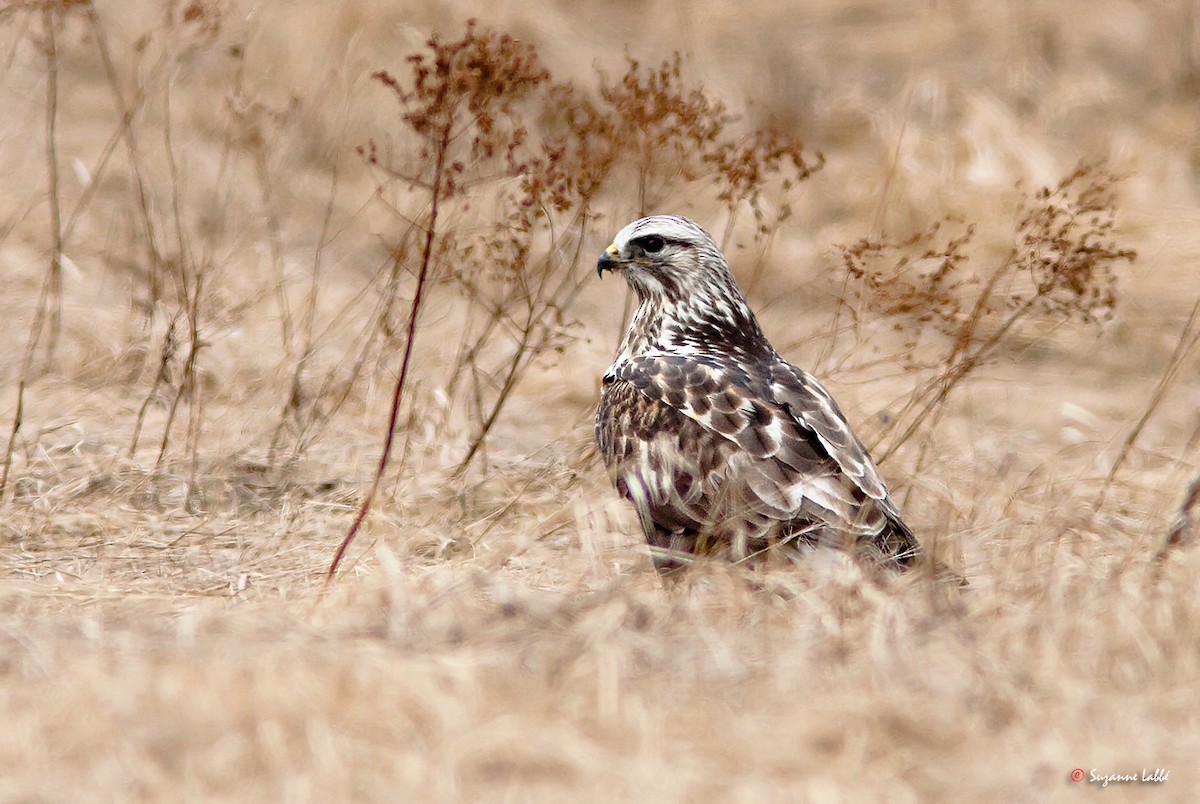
213	224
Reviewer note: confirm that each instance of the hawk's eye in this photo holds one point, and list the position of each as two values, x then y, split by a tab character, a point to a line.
652	244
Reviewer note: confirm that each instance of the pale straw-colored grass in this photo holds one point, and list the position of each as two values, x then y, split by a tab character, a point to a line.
502	637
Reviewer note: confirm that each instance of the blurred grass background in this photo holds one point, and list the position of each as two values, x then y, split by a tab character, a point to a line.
500	635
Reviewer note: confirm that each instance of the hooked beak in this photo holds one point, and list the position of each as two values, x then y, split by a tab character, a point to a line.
608	261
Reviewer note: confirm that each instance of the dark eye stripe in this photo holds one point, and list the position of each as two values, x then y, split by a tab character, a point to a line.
651	244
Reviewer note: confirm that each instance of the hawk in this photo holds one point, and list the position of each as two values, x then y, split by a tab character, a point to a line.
723	447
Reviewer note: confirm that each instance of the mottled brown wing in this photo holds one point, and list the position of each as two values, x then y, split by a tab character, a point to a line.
799	393
797	454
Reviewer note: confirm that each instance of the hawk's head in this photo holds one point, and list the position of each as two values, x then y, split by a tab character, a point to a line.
666	256
687	292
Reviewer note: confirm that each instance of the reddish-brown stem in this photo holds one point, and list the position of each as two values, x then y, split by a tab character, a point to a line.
402	379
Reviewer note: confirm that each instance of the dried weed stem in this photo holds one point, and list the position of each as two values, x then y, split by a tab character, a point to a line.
47	320
1061	266
12	436
1185	346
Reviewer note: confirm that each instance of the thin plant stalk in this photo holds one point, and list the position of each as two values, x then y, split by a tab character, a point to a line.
402	379
48	318
12	437
1189	339
129	133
